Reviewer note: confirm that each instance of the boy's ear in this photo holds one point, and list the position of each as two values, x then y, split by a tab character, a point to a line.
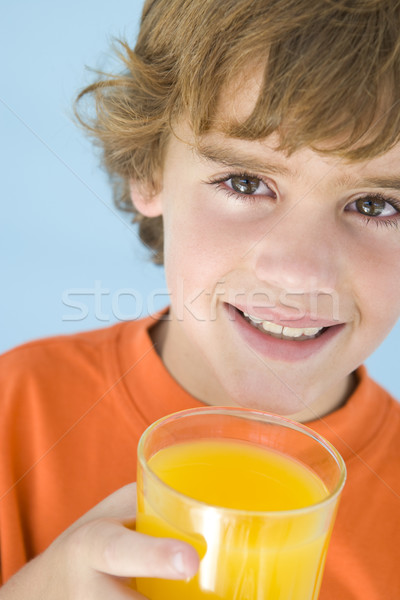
145	199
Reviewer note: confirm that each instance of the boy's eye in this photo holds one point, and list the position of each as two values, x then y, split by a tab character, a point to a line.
244	185
373	206
247	185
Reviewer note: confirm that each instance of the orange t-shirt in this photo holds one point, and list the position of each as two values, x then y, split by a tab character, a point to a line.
72	411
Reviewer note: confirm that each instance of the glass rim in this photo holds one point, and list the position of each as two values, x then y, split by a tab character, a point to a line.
259	415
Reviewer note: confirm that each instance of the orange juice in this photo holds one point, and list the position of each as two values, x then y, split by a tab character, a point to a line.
244	554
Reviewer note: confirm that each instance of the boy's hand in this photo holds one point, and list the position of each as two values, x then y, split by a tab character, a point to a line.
92	559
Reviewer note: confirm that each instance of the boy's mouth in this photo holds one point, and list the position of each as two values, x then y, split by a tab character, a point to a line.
281	341
281	332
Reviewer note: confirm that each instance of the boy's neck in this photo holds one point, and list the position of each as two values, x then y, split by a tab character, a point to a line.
331	402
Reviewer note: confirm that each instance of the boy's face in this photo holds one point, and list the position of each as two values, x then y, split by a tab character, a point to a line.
306	242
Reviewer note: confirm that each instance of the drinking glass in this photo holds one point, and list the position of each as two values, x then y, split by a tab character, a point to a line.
251	545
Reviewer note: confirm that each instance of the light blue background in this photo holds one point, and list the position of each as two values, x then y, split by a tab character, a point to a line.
59	229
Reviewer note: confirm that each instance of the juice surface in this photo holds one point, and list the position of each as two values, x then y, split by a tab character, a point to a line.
238	475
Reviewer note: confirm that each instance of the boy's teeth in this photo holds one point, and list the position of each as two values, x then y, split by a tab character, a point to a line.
292	332
271	327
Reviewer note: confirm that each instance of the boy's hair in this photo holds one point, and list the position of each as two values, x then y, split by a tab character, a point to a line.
331	73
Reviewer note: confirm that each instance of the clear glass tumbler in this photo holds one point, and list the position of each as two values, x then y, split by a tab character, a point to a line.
246	552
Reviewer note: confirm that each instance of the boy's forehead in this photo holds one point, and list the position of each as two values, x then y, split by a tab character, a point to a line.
239	95
242	95
236	102
264	155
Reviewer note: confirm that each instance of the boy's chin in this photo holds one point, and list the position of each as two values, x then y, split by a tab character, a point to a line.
298	399
277	397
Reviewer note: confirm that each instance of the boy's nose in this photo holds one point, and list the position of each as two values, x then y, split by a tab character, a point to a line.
298	254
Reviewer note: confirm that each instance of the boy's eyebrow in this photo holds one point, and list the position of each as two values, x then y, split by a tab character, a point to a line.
230	157
380	182
389	182
238	160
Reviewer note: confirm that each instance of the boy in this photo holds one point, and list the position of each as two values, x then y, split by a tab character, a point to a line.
259	143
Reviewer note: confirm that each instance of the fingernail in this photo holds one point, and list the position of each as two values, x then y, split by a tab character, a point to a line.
178	564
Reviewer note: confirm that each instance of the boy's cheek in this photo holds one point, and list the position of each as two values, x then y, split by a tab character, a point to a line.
206	249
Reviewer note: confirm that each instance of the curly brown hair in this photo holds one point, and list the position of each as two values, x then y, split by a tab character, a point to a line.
331	72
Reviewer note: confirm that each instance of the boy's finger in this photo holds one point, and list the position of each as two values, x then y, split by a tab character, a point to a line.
112	548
